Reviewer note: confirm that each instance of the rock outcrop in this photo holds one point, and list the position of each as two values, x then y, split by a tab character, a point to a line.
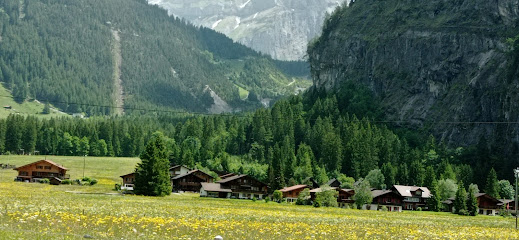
280	28
435	64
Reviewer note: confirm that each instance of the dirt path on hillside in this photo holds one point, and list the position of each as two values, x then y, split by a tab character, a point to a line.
118	82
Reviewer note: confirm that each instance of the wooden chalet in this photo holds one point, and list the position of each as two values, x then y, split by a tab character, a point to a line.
291	193
190	181
128	181
345	196
487	204
334	183
412	197
240	186
178	170
35	171
214	190
390	199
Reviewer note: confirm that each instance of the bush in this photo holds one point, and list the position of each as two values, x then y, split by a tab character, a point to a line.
44	180
383	209
117	187
254	199
317	203
78	182
277	196
86	179
66	182
463	212
93	182
419	209
300	201
267	199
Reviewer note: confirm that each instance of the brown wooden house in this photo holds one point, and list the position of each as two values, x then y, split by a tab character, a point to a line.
487	204
345	196
32	172
178	170
128	181
190	181
413	197
291	193
390	199
241	187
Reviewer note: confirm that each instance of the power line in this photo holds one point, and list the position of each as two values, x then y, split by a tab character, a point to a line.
398	122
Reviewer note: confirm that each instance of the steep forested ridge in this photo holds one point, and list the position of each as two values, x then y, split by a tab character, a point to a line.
63	52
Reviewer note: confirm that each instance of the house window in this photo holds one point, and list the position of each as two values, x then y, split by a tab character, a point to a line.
48	167
39	167
24	174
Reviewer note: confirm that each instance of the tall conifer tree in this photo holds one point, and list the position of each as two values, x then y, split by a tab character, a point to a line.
152	174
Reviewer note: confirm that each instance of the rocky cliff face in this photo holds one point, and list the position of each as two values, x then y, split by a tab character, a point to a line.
436	65
280	28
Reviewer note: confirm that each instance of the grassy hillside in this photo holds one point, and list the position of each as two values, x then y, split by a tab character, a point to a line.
25	108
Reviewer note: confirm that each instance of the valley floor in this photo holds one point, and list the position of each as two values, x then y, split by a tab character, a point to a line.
40	211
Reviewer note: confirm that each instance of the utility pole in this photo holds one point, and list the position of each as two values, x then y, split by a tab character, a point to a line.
516	173
84	164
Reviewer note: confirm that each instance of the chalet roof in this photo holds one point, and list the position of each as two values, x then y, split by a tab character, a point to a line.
406	191
332	181
47	161
127	174
176	166
292	188
378	193
227	175
189	173
346	190
232	178
317	190
214	187
505	201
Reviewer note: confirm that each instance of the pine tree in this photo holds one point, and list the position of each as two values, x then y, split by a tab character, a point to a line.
152	174
434	202
460	203
472	202
492	185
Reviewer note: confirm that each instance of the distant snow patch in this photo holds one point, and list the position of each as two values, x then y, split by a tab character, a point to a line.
238	21
245	4
255	15
216	24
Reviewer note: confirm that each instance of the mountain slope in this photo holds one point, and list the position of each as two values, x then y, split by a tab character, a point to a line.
430	63
66	52
280	28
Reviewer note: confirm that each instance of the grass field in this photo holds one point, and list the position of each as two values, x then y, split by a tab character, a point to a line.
33	108
39	211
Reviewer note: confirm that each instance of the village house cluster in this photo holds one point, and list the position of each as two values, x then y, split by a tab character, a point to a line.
241	186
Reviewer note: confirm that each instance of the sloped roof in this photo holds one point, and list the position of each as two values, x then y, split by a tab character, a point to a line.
214	187
232	178
47	161
176	166
378	193
332	181
127	174
316	190
227	175
189	173
292	188
406	191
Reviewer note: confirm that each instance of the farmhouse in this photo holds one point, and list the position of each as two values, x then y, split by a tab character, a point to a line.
128	181
390	199
412	197
240	186
214	190
178	170
291	193
345	196
190	181
487	204
35	171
